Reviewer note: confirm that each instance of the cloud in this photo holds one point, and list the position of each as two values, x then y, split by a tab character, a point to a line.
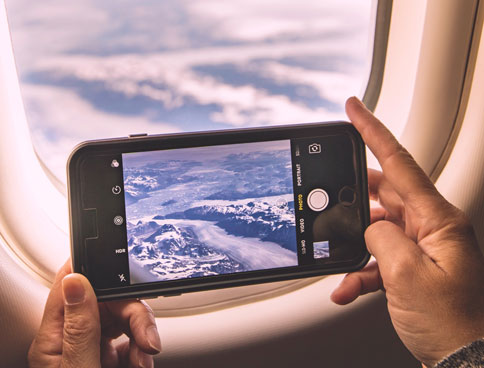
52	27
60	120
49	27
151	49
332	85
243	105
255	20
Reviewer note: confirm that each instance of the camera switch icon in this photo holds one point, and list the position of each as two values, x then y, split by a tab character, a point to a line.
314	148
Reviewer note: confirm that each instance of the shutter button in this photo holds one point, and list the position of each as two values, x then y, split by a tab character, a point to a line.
318	199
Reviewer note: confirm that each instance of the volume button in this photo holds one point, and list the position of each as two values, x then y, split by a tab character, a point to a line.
138	135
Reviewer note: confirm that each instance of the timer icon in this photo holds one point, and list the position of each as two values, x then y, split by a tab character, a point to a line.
116	189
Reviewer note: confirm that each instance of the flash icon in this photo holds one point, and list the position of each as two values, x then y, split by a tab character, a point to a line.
116	189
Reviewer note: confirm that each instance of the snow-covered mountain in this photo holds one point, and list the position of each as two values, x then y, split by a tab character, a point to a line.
256	219
228	177
205	211
167	252
212	240
139	183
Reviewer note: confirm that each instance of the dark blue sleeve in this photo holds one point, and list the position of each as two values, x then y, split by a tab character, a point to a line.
470	356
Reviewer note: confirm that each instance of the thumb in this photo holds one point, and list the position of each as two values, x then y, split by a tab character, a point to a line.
82	330
397	255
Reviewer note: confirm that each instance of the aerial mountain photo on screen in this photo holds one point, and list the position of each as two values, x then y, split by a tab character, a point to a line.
209	210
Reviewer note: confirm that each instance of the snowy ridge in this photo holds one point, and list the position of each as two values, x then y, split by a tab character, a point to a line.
172	252
269	222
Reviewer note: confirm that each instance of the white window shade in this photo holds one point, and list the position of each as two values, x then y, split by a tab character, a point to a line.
33	213
428	59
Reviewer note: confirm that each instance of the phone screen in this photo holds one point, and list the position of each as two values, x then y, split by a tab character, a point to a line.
207	211
215	210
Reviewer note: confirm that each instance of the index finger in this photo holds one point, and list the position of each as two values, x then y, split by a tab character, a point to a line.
400	169
135	318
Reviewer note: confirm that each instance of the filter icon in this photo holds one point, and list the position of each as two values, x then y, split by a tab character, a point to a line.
118	220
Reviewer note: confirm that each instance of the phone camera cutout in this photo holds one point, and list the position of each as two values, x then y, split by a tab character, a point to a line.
118	220
347	196
318	199
114	163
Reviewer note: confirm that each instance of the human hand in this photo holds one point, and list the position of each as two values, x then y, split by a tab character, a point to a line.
77	331
427	258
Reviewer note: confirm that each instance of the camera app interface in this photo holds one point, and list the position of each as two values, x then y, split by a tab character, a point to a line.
174	214
208	211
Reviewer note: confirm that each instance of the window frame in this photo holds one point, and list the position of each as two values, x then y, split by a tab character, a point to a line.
425	78
30	248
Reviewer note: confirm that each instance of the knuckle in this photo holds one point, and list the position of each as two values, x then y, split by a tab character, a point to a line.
144	315
147	308
78	342
72	355
458	227
138	316
77	328
402	268
463	223
145	311
31	355
376	229
370	230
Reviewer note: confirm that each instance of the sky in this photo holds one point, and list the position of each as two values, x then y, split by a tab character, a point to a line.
97	69
201	154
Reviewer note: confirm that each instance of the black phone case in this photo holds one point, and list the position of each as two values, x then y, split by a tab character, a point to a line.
139	143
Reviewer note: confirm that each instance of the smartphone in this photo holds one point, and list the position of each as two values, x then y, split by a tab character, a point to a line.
171	214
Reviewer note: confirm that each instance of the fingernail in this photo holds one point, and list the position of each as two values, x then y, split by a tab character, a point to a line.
144	360
331	296
73	290
153	338
358	101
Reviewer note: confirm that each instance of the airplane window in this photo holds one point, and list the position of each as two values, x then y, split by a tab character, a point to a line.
94	69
